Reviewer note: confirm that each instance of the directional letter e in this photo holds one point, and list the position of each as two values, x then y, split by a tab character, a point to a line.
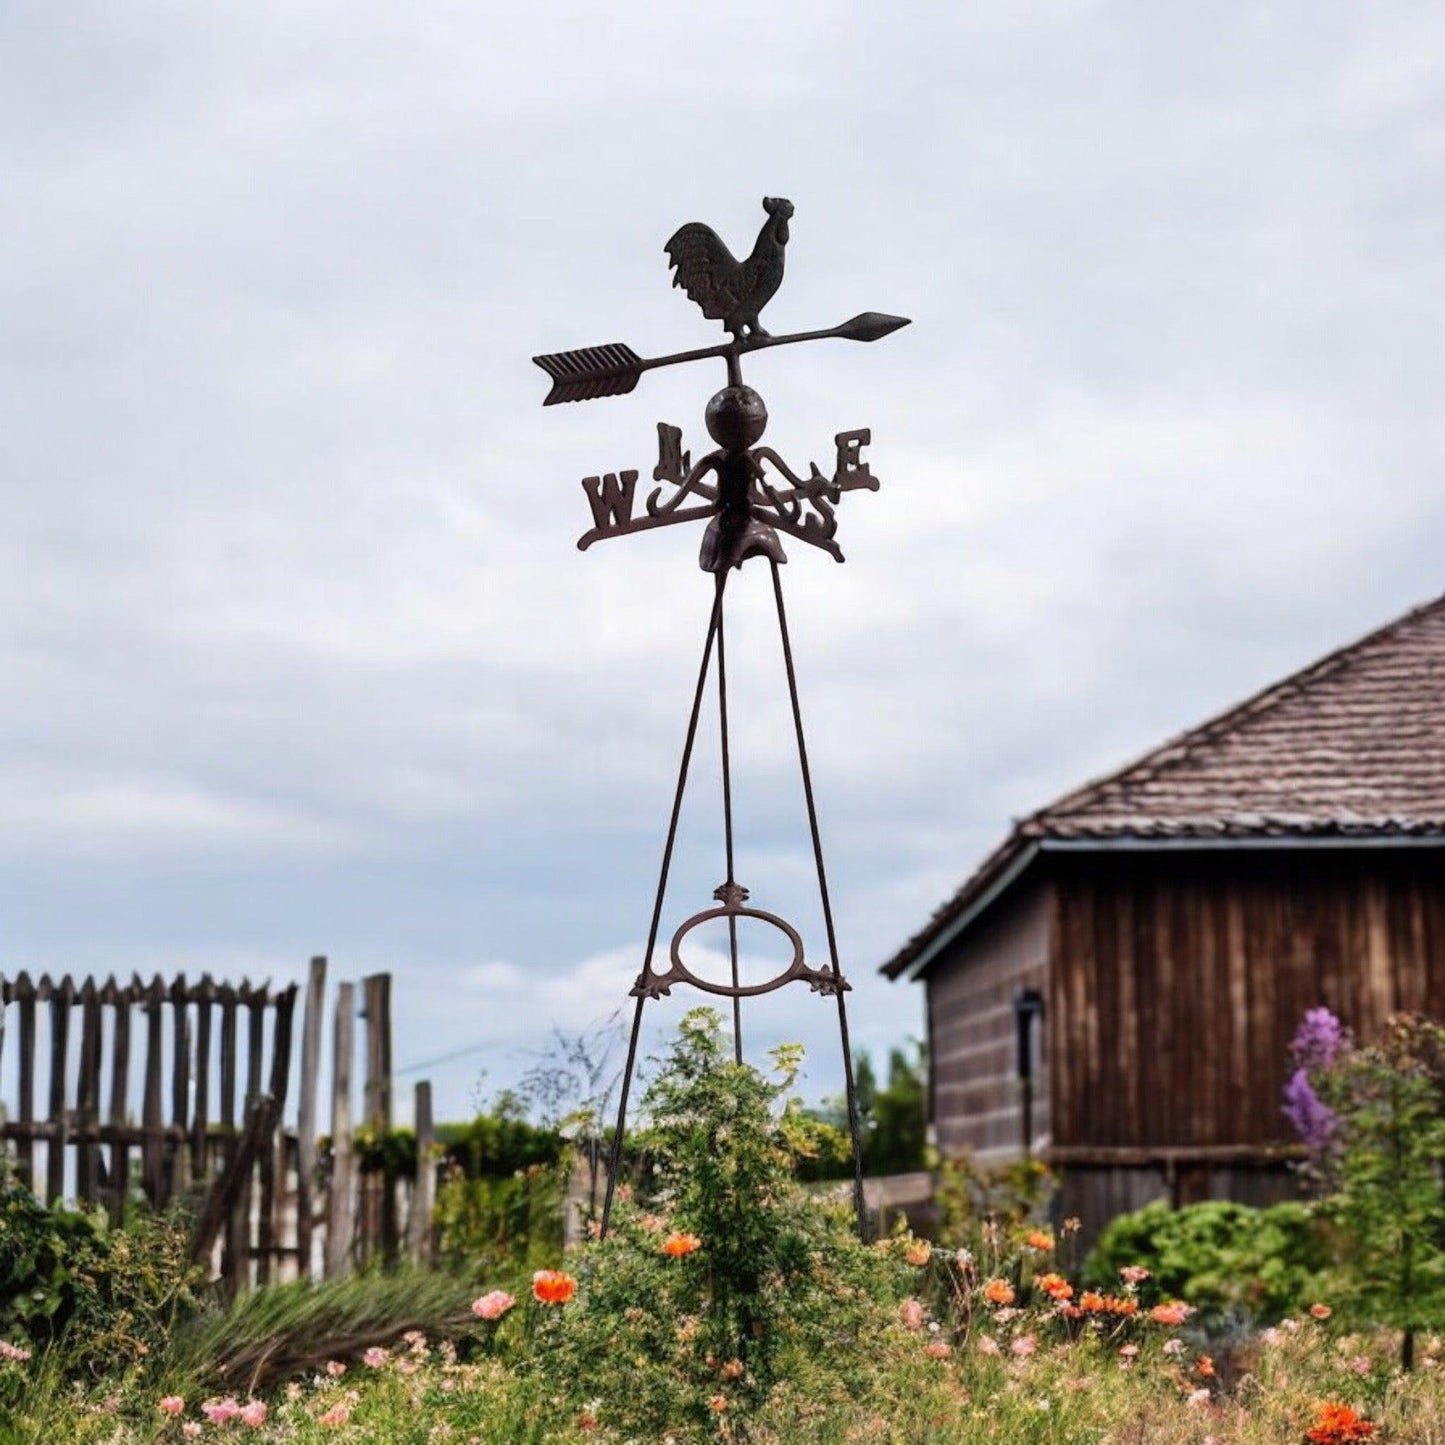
610	498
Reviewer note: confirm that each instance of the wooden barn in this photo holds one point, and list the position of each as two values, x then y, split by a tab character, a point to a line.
1115	986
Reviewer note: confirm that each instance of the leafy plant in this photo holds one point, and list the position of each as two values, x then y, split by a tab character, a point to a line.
727	1276
110	1294
489	1225
1224	1258
974	1201
1383	1164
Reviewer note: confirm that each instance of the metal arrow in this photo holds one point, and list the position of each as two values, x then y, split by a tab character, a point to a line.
615	369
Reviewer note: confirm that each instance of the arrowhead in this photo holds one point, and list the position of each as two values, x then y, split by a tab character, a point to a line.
870	326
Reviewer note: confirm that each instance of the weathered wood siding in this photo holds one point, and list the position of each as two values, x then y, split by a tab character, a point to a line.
976	1095
1178	979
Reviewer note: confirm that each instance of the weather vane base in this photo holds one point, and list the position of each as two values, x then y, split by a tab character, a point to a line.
751	500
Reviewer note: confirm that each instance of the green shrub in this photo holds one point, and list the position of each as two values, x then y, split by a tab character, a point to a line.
496	1226
1224	1258
1384	1173
500	1142
728	1278
109	1295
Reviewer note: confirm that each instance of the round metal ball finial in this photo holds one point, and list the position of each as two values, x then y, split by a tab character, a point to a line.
736	418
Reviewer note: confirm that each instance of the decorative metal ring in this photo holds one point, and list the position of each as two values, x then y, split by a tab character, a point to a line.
796	968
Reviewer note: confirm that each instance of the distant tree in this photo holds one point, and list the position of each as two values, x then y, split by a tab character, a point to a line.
891	1120
899	1116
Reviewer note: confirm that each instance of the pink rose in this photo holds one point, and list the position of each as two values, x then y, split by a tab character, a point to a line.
1133	1274
191	1429
219	1411
336	1415
375	1357
987	1345
253	1413
171	1405
1023	1346
493	1306
938	1349
911	1313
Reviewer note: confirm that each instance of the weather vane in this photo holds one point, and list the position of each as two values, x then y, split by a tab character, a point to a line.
749	495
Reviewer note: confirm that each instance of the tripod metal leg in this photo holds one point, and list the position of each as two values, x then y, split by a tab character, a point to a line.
713	629
851	1091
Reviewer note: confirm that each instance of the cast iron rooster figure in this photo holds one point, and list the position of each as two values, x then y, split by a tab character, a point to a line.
729	290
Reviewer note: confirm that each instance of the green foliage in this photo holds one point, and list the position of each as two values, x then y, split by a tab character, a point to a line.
385	1151
898	1118
499	1207
501	1142
892	1121
976	1205
490	1225
820	1149
1387	1178
776	1281
110	1295
1224	1258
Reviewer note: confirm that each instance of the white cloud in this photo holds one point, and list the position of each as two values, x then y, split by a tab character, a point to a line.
296	652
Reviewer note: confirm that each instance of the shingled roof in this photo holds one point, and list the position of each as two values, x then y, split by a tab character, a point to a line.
1351	746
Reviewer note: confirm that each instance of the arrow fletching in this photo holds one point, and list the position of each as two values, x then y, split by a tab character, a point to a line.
590	371
870	326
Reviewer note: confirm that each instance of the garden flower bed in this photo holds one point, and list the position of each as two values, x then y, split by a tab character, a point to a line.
727	1304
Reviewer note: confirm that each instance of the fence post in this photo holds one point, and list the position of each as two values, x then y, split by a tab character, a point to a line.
423	1196
153	1147
24	994
306	1112
338	1203
87	1095
61	997
118	997
379	1193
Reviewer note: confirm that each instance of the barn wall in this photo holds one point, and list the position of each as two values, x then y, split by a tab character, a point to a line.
1178	980
977	1099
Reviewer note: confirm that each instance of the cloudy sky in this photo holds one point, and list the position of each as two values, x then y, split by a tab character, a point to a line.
298	653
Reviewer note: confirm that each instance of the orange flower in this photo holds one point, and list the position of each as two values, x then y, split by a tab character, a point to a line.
918	1252
732	1370
1055	1286
1122	1305
1205	1367
1092	1302
998	1292
1337	1424
553	1286
678	1244
1039	1239
718	1403
1321	1312
1173	1313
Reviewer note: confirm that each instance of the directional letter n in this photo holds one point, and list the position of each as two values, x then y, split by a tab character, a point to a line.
610	498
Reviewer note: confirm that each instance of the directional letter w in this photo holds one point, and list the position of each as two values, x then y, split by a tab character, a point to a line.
610	498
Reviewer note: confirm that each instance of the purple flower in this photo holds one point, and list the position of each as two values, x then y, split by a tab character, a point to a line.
1314	1121
1320	1039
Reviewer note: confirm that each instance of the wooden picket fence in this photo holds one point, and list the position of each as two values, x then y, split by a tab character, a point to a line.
205	1116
